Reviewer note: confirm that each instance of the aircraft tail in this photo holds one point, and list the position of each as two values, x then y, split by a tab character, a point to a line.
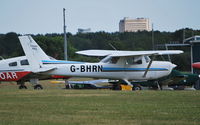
33	52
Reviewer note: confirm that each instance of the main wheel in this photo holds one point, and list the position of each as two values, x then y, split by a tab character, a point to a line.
137	88
22	87
38	86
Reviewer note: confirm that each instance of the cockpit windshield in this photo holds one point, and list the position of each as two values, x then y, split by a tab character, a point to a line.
147	59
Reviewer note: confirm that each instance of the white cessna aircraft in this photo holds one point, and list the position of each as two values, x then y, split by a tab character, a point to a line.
120	65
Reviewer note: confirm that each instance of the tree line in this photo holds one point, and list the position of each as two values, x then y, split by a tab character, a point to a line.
52	44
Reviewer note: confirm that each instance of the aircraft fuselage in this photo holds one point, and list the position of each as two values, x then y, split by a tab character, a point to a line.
112	71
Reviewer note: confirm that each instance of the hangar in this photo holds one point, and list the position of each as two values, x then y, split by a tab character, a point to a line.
194	44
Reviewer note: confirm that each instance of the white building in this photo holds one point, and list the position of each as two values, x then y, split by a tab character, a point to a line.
80	30
134	25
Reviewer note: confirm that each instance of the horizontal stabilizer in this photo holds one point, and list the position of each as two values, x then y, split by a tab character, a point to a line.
44	69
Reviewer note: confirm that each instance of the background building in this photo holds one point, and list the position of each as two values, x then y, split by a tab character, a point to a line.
80	30
134	25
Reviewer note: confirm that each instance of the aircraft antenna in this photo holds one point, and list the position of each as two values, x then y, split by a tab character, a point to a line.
65	37
112	46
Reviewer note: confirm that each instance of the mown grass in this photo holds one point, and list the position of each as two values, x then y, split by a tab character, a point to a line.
57	106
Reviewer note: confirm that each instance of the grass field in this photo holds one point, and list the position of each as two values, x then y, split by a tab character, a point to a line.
57	106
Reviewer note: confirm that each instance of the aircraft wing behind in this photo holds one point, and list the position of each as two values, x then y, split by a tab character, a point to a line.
93	82
127	53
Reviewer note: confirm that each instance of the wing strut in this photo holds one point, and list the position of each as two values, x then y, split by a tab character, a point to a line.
146	71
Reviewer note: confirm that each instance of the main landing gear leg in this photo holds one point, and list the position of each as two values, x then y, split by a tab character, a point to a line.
36	84
21	85
158	85
67	84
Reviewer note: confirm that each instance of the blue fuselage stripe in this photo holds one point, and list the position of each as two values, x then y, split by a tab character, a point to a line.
107	69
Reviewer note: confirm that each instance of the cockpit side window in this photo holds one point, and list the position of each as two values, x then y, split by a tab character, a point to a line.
134	60
130	61
24	62
13	64
138	61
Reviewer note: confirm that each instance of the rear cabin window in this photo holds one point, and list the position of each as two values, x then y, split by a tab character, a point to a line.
24	62
13	64
114	60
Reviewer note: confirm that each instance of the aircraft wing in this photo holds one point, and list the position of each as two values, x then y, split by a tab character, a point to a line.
93	82
127	53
